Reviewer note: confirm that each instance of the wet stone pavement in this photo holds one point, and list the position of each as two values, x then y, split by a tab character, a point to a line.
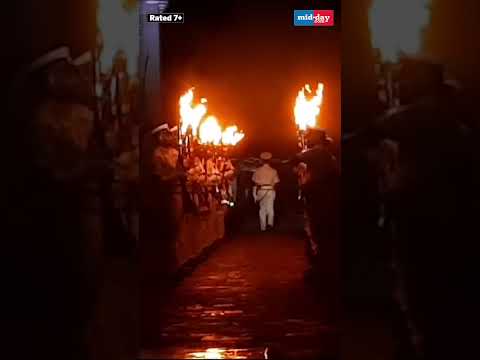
248	295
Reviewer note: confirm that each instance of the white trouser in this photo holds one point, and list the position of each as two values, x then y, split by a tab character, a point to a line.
267	212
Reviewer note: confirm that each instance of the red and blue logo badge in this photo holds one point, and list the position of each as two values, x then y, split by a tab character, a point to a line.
314	17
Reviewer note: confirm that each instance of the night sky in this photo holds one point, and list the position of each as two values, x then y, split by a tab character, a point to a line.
249	61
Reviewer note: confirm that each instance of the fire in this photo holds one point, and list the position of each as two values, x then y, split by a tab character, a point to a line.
209	354
110	13
206	129
307	110
190	115
210	131
231	136
396	26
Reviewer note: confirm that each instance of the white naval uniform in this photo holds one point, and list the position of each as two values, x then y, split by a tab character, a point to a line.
265	178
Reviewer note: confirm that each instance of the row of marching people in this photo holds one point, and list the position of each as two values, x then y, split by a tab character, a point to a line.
204	182
210	179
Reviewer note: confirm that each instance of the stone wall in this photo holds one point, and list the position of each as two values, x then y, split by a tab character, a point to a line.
114	331
197	233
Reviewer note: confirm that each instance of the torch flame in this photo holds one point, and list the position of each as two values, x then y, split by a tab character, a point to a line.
396	26
307	110
190	115
111	13
207	130
210	131
231	136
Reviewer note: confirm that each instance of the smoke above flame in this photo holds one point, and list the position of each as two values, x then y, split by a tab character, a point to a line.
110	14
307	107
397	26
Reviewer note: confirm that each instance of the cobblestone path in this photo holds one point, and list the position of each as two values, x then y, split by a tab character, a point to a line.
248	296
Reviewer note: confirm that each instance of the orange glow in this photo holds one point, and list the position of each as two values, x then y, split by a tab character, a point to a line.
307	110
191	115
210	131
206	129
214	353
209	354
396	26
231	136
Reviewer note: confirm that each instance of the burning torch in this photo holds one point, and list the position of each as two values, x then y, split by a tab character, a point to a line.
306	111
203	136
190	117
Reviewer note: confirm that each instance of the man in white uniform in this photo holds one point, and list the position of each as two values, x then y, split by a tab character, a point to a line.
265	179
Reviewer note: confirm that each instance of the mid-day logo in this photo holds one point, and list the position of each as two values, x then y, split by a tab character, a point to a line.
313	17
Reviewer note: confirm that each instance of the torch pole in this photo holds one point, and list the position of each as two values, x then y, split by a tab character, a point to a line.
97	104
389	85
303	141
179	141
189	139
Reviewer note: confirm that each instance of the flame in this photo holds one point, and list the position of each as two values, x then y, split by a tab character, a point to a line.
396	26
307	110
190	116
210	131
110	13
207	130
209	354
231	136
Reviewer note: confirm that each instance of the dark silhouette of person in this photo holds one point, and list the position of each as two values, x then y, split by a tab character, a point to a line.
50	177
322	203
429	194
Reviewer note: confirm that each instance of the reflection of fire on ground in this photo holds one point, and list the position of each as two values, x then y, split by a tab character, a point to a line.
217	354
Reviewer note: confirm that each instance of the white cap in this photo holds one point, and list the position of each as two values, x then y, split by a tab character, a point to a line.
42	61
83	59
54	55
164	126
